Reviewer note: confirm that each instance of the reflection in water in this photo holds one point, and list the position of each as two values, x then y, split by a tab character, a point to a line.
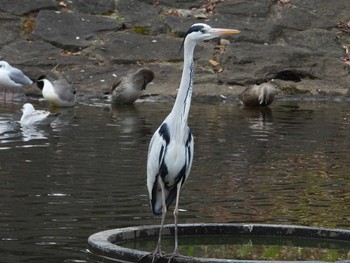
286	165
7	130
260	121
33	133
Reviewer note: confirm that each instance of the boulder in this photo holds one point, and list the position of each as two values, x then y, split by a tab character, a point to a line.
71	31
143	18
130	48
301	44
93	6
23	7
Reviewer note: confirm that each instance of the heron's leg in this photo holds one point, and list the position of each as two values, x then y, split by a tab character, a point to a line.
164	211
176	213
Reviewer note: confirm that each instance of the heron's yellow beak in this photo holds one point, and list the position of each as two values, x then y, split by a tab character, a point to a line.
225	31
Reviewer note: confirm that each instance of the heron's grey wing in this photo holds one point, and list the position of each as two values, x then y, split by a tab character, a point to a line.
189	152
64	90
18	77
156	152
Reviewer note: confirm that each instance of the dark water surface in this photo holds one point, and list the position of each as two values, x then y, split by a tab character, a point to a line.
289	164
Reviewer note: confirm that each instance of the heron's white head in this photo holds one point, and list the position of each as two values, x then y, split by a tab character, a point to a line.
201	31
27	108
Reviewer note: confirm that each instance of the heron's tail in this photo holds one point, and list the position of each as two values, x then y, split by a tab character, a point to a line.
156	203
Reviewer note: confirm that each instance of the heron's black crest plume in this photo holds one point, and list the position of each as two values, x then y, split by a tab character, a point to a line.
194	28
39	82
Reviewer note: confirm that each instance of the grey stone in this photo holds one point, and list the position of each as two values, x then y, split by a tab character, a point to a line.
10	31
248	63
130	48
37	57
319	42
326	13
142	17
94	6
71	31
249	8
179	25
186	4
21	7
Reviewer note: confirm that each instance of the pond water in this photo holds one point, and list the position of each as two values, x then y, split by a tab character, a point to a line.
85	173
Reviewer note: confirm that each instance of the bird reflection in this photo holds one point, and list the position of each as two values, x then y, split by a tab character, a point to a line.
6	126
129	119
67	116
32	133
260	121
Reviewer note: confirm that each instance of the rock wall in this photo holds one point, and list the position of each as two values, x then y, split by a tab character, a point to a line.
302	45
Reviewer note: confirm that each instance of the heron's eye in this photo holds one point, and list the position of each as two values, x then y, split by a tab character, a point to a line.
203	31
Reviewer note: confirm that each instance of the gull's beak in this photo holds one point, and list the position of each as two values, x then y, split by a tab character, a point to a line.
224	31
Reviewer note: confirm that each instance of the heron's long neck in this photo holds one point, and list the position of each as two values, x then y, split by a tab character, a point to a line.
183	100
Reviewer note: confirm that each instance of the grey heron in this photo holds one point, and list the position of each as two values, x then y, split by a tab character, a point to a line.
129	88
31	116
11	77
59	93
170	151
258	95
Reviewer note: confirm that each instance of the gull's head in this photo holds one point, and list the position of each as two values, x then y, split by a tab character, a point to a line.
40	82
27	108
4	65
201	31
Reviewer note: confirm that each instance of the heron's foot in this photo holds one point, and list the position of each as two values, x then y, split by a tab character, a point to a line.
176	253
157	253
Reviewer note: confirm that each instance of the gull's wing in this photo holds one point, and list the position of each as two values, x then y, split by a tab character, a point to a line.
18	77
64	90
